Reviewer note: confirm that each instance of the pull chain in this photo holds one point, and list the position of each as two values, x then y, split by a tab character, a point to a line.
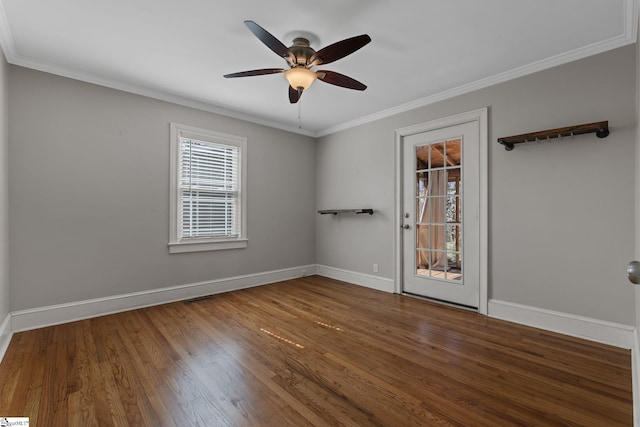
299	114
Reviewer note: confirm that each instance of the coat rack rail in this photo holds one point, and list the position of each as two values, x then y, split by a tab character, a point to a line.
339	211
601	130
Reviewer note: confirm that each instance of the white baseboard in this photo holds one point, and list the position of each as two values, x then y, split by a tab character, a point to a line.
62	313
614	334
5	335
367	280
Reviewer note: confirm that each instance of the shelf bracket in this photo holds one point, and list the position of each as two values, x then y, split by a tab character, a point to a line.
339	211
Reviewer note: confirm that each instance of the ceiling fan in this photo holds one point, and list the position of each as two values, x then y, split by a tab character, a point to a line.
301	58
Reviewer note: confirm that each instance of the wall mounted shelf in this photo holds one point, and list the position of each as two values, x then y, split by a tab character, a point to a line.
339	211
601	130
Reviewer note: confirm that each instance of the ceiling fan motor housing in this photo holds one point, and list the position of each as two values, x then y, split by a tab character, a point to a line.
302	51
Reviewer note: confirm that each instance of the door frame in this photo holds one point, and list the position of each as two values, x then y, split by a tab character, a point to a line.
481	116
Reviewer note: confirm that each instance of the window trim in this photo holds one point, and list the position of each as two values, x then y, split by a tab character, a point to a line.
177	245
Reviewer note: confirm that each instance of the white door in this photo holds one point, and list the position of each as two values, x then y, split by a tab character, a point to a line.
440	213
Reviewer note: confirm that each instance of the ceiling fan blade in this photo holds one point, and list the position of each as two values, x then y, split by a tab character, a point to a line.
338	79
294	94
339	49
255	72
269	40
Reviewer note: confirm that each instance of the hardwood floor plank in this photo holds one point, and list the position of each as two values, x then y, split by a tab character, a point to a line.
311	352
592	405
14	398
82	411
258	368
214	369
364	391
153	365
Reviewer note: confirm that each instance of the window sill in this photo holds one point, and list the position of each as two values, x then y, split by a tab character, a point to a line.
182	247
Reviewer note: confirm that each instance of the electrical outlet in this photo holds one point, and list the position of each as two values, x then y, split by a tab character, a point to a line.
375	268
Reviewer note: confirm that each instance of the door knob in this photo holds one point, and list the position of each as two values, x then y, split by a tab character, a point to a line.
405	226
633	272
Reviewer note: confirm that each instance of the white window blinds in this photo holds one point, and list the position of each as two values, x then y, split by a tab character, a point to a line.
209	193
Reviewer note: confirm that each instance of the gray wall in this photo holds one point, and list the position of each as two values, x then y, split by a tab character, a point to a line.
560	213
89	194
4	179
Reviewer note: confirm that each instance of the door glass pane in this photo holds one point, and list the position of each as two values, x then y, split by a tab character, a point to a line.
438	233
437	155
435	210
453	181
453	152
451	210
422	237
421	207
454	266
422	181
437	183
423	261
452	236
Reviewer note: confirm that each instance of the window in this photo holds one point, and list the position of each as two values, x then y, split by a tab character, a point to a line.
208	197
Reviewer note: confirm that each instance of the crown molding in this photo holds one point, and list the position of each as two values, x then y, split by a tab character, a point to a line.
8	46
628	36
6	38
149	93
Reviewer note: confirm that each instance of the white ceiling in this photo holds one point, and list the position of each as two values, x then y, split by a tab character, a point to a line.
421	50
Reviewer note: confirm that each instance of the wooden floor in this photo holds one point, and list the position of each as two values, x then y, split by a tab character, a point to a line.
310	352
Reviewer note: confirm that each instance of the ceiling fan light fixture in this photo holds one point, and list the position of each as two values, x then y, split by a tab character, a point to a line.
300	77
301	57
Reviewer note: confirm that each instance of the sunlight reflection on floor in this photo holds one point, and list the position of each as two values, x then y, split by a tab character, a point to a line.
281	338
